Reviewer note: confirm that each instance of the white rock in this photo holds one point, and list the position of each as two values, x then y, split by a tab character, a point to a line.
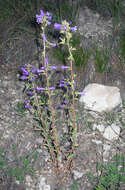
28	180
96	141
112	132
77	174
43	185
42	182
46	187
101	127
106	147
101	98
106	152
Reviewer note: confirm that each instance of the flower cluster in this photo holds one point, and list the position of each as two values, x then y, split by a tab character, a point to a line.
43	17
40	98
65	26
28	72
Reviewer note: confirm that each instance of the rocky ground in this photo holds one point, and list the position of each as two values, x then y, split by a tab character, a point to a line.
24	163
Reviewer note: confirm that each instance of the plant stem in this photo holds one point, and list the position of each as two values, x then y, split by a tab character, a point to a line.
54	135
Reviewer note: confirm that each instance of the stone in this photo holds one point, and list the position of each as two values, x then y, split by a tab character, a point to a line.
112	132
93	26
77	174
43	185
106	152
100	127
46	187
101	98
96	141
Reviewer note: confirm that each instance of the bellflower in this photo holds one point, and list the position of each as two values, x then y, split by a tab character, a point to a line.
65	101
31	93
40	18
74	28
39	89
54	67
52	88
33	70
53	44
48	15
64	67
26	105
46	60
25	72
41	69
82	93
58	26
44	37
24	77
33	78
62	106
61	85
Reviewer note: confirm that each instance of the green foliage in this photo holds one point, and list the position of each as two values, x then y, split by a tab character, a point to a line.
81	57
19	172
101	58
122	46
80	54
60	54
18	8
20	109
2	158
110	117
74	186
112	174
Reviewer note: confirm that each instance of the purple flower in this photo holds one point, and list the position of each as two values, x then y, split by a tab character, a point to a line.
65	101
82	93
48	22
44	37
39	89
32	79
31	93
26	102
42	13
61	85
66	84
53	44
48	16
46	61
64	67
24	77
25	65
33	70
62	106
65	27
46	107
25	72
54	67
52	88
58	26
74	28
27	106
41	69
39	18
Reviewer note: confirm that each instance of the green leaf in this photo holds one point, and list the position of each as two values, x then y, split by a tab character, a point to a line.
70	156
